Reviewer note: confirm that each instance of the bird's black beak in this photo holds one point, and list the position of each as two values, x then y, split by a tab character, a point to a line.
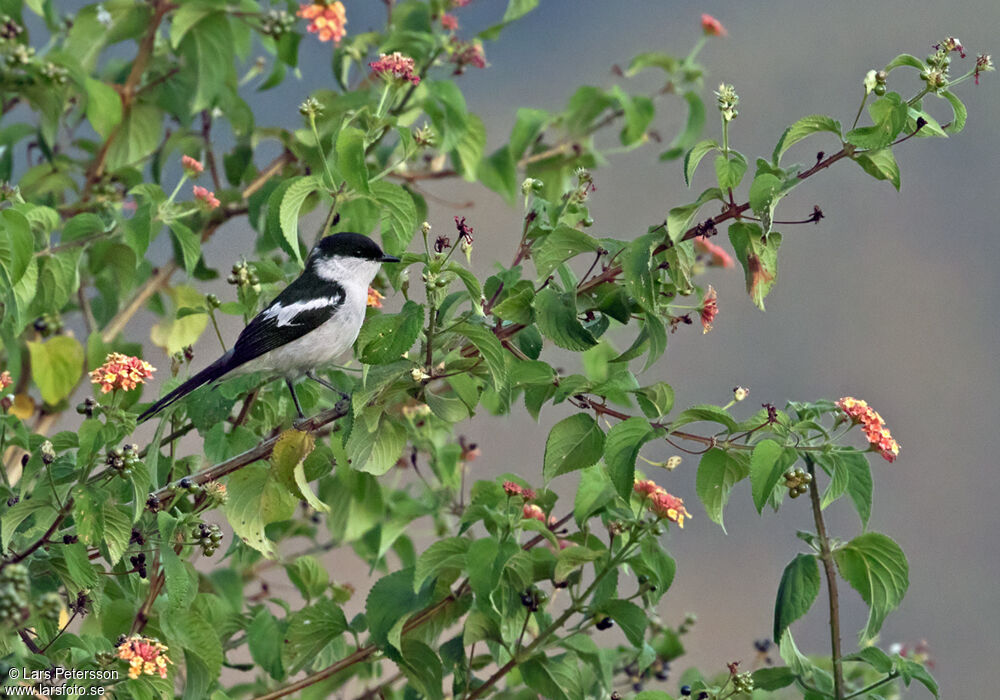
389	258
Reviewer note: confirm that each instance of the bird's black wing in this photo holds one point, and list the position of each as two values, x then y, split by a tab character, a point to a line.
304	305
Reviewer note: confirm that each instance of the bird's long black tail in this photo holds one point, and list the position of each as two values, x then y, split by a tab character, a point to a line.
209	374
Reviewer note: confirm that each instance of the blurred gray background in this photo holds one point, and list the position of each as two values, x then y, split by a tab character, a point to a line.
891	298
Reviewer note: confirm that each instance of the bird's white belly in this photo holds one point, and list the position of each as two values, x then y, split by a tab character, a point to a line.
318	348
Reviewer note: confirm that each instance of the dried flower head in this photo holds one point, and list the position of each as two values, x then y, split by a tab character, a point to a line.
984	64
712	27
121	372
709	309
329	20
144	655
192	168
951	44
216	492
205	196
465	54
872	425
396	66
374	298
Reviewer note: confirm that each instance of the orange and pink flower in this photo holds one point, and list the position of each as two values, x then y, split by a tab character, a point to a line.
717	255
712	27
872	425
204	195
660	503
329	20
5	380
121	372
397	66
144	655
192	167
533	512
374	298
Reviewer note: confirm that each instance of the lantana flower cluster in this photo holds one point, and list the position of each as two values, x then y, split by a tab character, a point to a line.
121	371
144	655
396	65
374	298
202	194
5	380
872	425
513	489
329	20
660	503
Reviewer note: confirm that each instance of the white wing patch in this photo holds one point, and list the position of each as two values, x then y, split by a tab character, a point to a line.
286	315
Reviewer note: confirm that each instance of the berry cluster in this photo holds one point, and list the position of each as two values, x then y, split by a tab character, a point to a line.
743	682
123	459
209	537
138	562
242	276
49	606
659	669
87	407
14	594
276	23
797	481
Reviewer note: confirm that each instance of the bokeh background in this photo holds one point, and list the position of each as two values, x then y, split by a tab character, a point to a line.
891	298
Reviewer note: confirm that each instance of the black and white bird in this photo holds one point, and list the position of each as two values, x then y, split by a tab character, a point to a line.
308	326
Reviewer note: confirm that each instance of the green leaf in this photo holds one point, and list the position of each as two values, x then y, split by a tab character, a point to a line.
423	669
860	485
889	114
960	113
468	151
527	127
491	350
309	576
758	257
561	245
309	631
556	317
180	583
537	673
638	273
385	337
839	481
694	156
288	213
656	400
498	171
705	412
718	472
256	499
880	164
174	334
905	59
910	670
766	469
796	593
876	568
679	218
390	602
594	492
621	449
516	9
265	642
17	245
448	553
290	451
804	127
377	451
208	47
137	137
638	112
188	244
774	678
399	216
729	171
692	129
104	107
351	158
572	558
573	443
630	617
56	367
117	531
874	657
517	308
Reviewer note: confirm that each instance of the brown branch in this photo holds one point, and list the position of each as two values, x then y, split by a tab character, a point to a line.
826	556
206	135
261	451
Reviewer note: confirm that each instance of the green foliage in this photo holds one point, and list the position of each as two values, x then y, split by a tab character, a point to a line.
478	586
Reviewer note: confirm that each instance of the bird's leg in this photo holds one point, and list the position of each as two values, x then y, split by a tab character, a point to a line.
316	378
298	406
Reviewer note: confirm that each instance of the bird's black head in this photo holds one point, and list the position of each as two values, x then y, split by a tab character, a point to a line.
351	245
